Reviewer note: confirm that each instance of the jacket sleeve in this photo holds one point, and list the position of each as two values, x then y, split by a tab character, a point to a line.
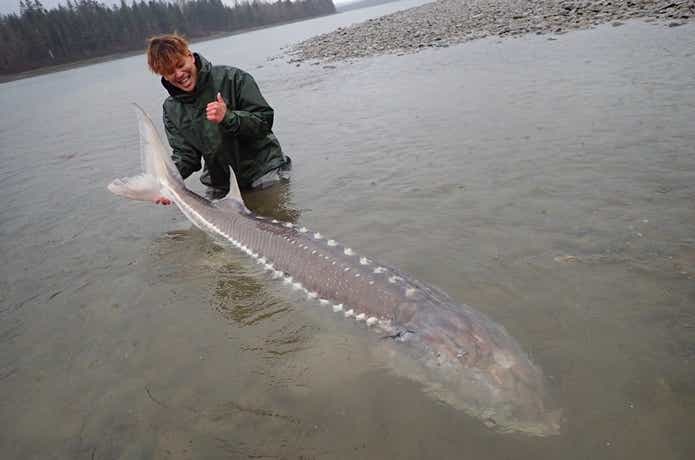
186	158
251	116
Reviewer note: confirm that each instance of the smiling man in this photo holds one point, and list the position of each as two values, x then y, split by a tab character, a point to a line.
217	114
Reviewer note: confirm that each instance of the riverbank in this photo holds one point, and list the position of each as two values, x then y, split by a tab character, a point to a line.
447	22
124	54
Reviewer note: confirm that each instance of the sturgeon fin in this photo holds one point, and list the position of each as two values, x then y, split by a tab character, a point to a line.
154	156
234	192
143	187
233	198
159	171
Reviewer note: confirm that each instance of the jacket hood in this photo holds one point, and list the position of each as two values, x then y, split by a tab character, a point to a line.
204	67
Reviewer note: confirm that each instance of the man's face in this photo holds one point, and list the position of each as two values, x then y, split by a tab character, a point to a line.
184	75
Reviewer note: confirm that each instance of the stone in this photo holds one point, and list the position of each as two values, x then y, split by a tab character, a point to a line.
448	22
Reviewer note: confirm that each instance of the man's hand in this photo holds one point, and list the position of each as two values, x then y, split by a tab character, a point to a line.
163	200
216	110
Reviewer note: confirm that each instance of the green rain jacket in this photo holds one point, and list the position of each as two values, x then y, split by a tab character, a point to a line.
243	140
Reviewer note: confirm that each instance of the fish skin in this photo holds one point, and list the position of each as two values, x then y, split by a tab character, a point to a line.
458	354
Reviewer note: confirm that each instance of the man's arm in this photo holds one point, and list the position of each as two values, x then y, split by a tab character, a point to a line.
186	158
252	117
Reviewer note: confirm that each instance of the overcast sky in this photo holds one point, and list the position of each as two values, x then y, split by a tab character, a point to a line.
12	6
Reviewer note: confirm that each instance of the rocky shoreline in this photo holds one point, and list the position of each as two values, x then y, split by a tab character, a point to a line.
447	22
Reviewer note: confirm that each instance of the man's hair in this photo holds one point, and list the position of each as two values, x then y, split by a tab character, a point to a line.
164	52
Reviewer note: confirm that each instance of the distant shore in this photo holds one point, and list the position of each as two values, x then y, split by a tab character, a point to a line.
66	66
447	22
105	58
125	54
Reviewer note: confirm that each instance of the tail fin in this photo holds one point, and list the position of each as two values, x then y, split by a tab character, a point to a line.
154	156
156	164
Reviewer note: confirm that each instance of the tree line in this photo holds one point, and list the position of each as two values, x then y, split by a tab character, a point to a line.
85	29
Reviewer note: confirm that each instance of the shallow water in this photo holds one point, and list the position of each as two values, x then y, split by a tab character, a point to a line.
548	183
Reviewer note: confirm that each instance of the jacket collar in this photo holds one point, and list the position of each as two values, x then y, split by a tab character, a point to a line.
204	67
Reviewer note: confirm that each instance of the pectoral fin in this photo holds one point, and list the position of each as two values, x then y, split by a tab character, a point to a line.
143	187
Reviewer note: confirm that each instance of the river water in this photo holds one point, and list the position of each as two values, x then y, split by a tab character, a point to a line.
548	183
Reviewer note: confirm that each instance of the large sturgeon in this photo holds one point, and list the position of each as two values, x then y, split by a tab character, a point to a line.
458	354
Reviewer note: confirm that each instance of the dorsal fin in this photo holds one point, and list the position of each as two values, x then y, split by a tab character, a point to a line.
234	192
233	197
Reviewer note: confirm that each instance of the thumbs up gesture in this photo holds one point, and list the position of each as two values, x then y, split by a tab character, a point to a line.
216	110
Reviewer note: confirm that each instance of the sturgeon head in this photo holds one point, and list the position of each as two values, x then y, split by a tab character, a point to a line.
468	361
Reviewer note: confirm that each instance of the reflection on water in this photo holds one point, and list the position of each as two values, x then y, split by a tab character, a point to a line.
547	183
241	298
275	202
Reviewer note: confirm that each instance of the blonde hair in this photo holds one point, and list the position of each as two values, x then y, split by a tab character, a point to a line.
165	51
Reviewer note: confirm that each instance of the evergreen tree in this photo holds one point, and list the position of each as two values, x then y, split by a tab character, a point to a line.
83	29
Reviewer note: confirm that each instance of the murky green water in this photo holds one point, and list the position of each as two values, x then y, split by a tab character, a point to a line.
550	184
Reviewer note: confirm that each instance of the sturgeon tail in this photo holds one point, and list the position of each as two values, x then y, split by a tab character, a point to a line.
159	171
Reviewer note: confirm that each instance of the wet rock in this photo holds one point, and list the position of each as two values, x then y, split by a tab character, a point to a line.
566	259
447	22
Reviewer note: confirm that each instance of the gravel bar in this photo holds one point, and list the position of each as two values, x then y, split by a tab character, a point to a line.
447	22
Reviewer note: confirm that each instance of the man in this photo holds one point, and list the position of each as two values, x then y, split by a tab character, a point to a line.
216	113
